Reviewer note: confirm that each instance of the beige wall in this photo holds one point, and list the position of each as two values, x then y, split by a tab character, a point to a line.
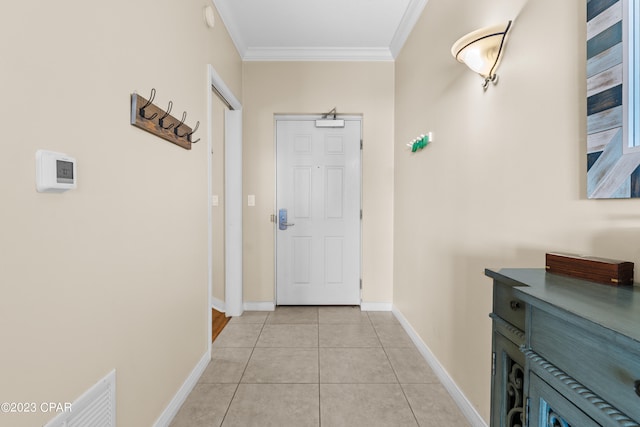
504	181
316	87
113	274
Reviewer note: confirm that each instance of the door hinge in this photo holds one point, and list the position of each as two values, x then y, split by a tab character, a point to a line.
360	284
493	364
360	213
526	413
361	144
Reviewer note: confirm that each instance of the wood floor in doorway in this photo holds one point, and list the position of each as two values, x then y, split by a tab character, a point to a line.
218	322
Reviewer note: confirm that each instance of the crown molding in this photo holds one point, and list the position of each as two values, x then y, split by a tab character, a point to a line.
408	21
231	26
317	54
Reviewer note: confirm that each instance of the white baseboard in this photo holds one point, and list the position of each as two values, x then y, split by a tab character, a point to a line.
218	304
259	306
458	396
376	306
174	406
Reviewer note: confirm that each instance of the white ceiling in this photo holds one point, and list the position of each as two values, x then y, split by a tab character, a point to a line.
326	30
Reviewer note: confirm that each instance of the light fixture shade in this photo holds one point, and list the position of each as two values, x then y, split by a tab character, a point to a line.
481	50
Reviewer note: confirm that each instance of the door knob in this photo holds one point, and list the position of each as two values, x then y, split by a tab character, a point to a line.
282	220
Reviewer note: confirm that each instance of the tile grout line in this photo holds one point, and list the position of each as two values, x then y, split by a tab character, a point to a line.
243	372
384	349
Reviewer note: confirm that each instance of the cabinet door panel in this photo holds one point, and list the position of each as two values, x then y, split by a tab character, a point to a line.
602	365
547	408
507	388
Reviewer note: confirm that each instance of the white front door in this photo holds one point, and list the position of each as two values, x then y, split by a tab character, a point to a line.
318	187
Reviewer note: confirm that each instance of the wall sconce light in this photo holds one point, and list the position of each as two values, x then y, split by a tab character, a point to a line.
481	51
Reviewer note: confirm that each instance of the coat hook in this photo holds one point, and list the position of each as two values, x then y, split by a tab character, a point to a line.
151	98
175	130
161	119
192	132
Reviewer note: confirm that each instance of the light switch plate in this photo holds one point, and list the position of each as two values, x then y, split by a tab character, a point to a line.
251	200
214	200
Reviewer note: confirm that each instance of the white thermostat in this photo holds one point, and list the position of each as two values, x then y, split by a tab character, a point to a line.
55	172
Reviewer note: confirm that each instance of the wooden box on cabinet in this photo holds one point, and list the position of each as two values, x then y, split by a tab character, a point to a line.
600	270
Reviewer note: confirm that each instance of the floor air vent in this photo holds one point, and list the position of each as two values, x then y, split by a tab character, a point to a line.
95	408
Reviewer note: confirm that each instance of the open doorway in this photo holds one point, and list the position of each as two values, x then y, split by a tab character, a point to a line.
218	111
230	257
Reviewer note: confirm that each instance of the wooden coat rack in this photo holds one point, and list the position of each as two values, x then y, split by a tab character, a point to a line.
148	116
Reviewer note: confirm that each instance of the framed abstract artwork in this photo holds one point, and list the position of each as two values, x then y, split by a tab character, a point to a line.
613	99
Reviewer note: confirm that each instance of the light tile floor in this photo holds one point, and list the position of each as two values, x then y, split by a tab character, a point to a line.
317	366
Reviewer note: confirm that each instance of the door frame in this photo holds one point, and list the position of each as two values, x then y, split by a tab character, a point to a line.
233	199
306	117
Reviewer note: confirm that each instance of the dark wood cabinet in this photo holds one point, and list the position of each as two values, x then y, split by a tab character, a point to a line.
566	352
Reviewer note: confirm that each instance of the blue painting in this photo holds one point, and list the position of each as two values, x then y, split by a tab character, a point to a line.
613	150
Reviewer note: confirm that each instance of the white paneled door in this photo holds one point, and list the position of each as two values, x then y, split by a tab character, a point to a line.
318	221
